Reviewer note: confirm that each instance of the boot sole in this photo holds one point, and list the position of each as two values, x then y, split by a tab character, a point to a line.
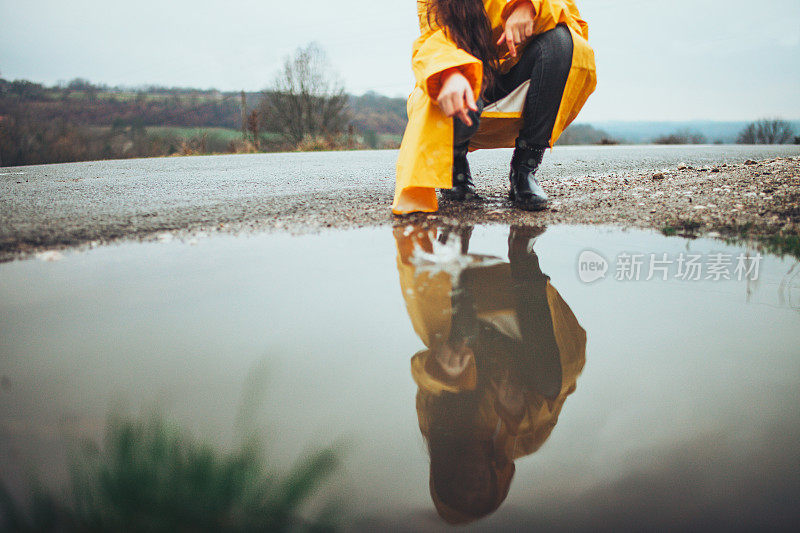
528	206
460	198
531	207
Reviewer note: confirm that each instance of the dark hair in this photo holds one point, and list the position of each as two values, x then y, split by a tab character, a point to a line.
467	24
462	475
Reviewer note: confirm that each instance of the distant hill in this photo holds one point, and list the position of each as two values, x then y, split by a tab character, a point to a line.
586	134
80	121
80	102
647	132
374	112
84	104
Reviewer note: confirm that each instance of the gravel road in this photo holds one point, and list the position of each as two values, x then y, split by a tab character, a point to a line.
672	188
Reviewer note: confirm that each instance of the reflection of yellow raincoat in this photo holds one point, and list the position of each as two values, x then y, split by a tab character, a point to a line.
426	153
428	304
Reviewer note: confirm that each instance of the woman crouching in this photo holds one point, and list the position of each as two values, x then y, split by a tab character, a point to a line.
490	74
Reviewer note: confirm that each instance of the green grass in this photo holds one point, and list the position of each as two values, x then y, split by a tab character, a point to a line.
777	244
150	475
226	134
683	226
780	244
390	137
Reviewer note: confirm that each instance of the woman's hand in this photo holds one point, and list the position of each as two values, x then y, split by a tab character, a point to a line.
454	360
519	27
456	98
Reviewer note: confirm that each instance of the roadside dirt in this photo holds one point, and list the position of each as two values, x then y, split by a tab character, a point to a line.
757	200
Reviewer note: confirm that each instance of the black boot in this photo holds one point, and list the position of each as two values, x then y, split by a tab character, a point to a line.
526	193
463	188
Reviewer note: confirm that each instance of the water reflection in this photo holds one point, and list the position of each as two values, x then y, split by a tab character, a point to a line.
503	352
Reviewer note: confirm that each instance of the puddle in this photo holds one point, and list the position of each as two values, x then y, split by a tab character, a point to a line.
491	375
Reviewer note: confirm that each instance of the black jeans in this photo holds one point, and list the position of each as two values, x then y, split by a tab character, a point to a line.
546	62
535	359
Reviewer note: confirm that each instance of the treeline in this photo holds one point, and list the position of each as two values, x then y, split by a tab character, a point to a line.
381	114
763	131
85	104
304	109
27	140
80	121
81	102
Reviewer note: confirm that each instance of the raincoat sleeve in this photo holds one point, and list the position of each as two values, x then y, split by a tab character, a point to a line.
550	13
426	294
434	52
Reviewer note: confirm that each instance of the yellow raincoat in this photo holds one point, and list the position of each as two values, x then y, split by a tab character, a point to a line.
426	153
428	302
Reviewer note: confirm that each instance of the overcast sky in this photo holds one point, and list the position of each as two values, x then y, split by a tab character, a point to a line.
657	59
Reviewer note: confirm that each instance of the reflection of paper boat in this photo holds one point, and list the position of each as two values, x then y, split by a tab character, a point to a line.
447	257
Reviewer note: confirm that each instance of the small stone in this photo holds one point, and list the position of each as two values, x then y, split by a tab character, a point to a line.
658	176
682	166
749	162
714	169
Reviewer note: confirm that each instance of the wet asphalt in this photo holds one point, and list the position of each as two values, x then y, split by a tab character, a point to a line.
62	205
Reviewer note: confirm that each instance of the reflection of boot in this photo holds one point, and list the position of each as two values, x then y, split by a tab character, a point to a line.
463	189
539	359
526	193
521	240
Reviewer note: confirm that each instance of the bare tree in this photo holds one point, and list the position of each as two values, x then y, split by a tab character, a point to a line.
306	98
253	127
766	131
